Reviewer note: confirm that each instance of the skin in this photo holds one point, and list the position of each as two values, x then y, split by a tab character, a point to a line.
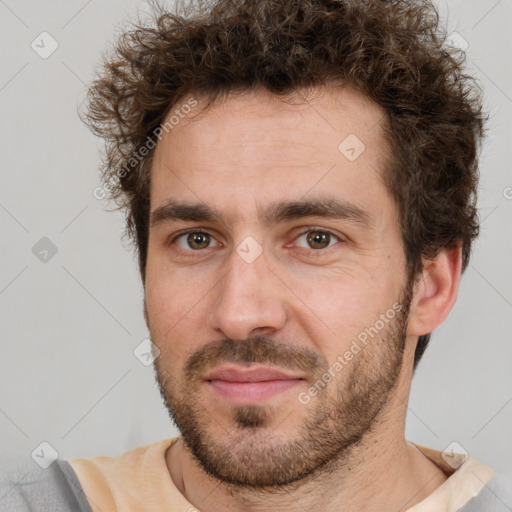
295	306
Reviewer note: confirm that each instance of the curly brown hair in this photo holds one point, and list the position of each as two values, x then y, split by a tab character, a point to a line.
394	52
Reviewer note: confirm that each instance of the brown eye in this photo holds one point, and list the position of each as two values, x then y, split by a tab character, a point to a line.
195	240
198	240
317	239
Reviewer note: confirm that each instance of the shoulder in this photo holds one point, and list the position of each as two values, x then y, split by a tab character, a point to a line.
26	487
496	495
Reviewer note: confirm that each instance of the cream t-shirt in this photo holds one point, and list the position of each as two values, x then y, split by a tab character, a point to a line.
139	481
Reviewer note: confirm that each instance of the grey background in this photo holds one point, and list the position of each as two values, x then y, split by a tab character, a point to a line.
68	375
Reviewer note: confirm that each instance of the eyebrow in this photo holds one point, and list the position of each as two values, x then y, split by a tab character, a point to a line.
280	211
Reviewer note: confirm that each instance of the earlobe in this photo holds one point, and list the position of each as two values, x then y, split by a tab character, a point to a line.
435	292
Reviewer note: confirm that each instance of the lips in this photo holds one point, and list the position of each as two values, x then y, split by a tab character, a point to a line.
232	373
250	385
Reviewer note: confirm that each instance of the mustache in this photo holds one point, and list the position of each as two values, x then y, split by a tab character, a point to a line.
260	349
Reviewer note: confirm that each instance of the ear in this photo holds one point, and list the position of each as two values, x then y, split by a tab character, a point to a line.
435	291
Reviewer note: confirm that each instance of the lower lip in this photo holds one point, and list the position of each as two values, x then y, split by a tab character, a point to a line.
245	392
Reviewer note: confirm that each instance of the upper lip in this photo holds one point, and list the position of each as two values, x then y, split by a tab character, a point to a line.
233	373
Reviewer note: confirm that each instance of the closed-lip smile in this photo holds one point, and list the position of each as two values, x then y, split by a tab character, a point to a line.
242	385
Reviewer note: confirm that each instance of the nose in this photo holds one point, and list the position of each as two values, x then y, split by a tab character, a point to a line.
248	300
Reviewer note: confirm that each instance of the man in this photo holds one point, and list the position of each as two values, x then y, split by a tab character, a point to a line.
300	180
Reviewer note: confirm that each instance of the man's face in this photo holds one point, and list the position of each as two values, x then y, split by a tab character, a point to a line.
269	285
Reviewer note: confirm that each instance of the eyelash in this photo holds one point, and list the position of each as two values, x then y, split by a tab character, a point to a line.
309	229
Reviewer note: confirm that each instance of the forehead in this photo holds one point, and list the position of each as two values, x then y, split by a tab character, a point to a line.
254	147
328	111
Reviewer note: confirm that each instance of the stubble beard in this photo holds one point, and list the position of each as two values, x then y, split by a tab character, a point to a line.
252	452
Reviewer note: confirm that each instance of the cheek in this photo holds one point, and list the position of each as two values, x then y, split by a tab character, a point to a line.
168	293
339	300
335	311
175	310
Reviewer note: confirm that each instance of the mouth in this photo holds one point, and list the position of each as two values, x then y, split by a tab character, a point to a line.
243	385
